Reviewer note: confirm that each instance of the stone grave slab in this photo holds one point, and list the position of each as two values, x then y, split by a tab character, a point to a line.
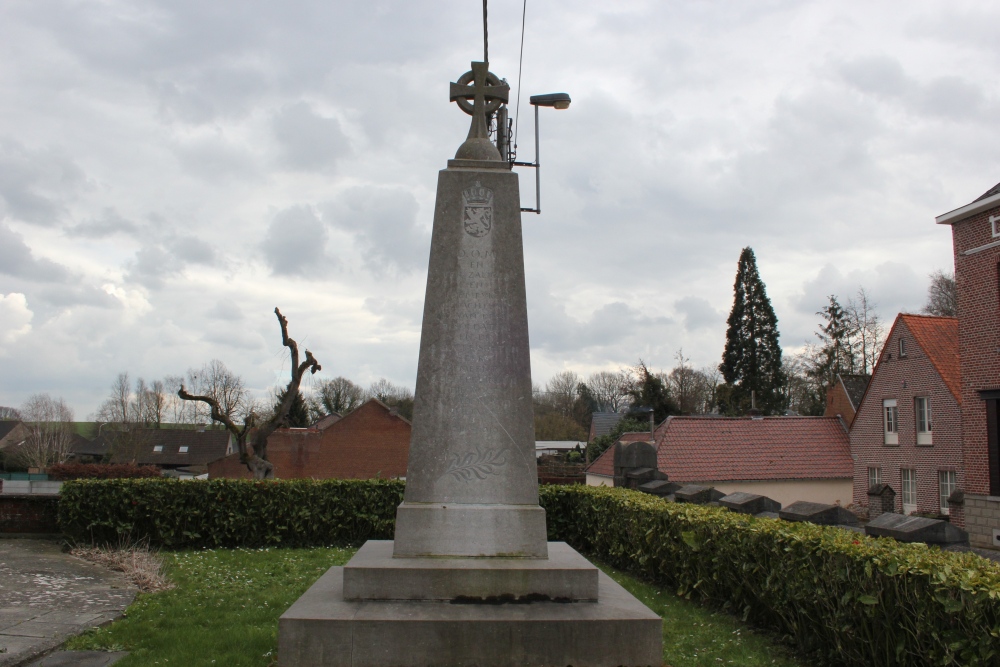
818	513
697	494
749	503
659	487
916	529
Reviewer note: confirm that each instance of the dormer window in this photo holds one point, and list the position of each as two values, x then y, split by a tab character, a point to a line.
902	347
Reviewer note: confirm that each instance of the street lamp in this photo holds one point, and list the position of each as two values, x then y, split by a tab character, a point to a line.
556	101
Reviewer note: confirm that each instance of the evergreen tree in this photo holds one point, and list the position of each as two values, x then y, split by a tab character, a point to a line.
838	354
751	361
298	415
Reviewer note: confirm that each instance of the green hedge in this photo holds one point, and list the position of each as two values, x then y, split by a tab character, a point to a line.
839	596
229	512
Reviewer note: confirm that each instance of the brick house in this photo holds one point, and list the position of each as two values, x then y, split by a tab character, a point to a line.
12	434
184	449
785	458
907	432
975	232
844	397
372	441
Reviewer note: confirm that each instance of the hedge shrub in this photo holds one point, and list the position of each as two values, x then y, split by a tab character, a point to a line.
66	471
842	598
229	512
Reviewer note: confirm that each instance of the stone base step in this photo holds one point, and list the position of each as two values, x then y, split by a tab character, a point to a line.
373	574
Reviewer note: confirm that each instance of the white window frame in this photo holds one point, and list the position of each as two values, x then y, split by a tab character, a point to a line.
947	483
902	347
908	485
874	476
890	421
923	417
995	221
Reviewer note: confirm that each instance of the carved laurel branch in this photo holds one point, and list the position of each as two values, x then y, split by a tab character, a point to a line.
476	465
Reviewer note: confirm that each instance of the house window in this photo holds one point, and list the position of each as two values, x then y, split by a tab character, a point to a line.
158	448
874	477
183	449
909	485
995	221
947	483
902	347
891	419
922	409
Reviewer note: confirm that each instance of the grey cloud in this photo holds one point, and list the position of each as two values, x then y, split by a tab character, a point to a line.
193	250
77	295
17	259
698	313
35	184
108	224
383	222
152	265
396	312
226	310
308	140
295	243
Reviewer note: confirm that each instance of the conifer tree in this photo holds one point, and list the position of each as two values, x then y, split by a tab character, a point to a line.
751	361
298	414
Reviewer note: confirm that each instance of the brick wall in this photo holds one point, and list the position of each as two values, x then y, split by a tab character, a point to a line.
838	403
904	379
369	442
982	518
976	279
29	514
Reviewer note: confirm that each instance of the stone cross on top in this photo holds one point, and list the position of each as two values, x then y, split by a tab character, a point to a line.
488	92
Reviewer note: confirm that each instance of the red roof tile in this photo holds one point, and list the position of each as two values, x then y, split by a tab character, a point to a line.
938	338
717	449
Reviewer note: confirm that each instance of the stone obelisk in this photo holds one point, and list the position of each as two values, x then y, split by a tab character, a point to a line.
471	482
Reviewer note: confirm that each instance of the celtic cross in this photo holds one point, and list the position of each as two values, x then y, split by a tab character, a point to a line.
487	92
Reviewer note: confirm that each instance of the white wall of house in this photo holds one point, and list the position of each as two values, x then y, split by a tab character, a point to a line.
599	480
786	492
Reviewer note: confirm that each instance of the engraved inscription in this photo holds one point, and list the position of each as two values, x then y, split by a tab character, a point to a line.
478	464
477	210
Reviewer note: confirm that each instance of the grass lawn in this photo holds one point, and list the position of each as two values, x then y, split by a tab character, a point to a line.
225	609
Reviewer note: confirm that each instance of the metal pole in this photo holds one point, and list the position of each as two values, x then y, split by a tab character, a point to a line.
538	169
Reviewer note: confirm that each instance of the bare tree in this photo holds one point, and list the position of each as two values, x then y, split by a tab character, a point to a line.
560	392
338	395
867	329
9	414
942	297
608	389
50	433
254	456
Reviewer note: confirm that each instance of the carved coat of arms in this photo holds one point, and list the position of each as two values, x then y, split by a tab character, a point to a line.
477	210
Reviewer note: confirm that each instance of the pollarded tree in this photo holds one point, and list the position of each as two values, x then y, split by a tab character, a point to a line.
751	361
254	456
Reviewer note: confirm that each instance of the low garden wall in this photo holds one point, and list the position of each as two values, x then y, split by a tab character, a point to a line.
29	514
840	597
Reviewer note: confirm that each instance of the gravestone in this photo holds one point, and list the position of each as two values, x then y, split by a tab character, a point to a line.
697	494
469	578
659	487
635	464
818	513
881	499
749	503
916	529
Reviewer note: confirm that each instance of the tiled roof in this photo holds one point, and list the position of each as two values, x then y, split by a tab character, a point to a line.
719	449
995	190
202	446
938	338
7	426
604	464
601	423
855	386
713	449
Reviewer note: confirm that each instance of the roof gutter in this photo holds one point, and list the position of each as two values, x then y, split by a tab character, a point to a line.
959	214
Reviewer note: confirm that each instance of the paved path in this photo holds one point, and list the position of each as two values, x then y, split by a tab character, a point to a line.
47	596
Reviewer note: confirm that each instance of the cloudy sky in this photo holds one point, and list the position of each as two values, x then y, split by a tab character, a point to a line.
172	171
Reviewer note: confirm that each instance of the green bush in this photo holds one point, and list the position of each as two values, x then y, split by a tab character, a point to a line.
229	512
839	596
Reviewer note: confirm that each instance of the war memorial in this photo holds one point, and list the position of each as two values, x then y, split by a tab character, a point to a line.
470	579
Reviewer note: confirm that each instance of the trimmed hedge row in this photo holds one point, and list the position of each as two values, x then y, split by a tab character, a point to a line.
839	596
229	512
